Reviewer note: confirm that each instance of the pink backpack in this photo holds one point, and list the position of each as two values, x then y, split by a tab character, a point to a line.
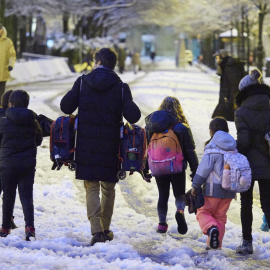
165	154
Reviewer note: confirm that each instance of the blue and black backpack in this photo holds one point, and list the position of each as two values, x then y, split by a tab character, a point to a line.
63	142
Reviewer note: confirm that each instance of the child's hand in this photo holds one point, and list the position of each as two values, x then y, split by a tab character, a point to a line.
193	192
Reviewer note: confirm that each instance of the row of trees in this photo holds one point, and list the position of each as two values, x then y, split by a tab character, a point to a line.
104	17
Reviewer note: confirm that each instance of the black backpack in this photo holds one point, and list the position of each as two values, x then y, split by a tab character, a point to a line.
62	142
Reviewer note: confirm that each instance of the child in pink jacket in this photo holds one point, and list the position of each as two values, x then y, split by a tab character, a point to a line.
212	217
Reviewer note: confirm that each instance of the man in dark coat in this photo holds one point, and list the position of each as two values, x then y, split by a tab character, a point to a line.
20	134
100	97
252	120
231	71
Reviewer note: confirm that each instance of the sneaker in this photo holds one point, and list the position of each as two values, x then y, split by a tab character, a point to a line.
108	235
97	238
245	248
4	232
12	224
162	228
213	234
180	219
30	234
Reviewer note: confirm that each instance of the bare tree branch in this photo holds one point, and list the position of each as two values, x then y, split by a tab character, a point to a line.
115	6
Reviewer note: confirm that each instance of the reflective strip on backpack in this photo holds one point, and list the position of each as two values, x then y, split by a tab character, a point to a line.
164	160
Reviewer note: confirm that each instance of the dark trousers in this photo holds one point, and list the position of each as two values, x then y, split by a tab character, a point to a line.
2	88
23	178
246	206
178	182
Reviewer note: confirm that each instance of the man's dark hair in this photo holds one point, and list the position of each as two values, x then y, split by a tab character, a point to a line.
107	57
19	98
5	99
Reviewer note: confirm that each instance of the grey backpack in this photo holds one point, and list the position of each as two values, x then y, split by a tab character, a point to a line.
237	178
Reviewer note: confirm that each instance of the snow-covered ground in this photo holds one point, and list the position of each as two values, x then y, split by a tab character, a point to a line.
62	228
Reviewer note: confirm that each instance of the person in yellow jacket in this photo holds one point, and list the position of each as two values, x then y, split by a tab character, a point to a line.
7	58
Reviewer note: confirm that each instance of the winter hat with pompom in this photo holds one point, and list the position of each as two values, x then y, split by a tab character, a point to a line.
253	78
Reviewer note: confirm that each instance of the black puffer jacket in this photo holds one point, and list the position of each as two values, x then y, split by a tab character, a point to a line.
161	120
252	120
100	106
20	135
2	112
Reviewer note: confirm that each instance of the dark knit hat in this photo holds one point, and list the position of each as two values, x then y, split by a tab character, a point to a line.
253	78
222	53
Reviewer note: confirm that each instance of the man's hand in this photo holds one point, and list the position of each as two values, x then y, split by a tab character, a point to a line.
193	192
10	68
147	177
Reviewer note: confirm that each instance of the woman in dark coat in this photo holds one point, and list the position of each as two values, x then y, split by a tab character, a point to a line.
252	120
170	114
231	71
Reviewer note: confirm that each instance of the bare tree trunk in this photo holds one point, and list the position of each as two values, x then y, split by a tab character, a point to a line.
242	33
231	40
260	52
238	39
2	11
248	42
65	22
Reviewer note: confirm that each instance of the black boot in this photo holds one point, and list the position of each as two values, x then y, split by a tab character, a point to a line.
12	224
4	232
30	234
213	234
108	235
97	237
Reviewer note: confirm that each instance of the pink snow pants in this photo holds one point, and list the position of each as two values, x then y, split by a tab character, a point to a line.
213	213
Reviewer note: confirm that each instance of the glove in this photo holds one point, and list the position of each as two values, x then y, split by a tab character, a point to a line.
10	68
147	176
193	192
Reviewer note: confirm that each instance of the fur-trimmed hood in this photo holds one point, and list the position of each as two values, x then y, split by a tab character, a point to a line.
251	90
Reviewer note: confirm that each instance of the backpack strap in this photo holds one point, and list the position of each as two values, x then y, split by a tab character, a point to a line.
213	173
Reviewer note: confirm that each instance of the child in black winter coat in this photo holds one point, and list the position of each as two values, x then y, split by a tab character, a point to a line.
20	134
4	104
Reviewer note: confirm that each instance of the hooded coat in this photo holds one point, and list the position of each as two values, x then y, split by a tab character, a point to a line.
159	121
214	162
100	104
252	120
20	134
8	56
232	71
